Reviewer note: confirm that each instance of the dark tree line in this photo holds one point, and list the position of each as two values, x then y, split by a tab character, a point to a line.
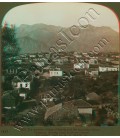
9	43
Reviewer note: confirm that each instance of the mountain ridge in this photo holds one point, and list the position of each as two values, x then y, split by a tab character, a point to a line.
33	38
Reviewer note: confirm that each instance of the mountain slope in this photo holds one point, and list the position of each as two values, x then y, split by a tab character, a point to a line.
40	37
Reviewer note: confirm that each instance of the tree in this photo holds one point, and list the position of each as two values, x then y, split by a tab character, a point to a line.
9	42
35	84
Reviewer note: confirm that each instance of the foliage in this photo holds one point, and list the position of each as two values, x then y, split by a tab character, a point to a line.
9	43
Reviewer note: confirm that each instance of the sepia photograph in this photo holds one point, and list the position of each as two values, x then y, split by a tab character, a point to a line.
60	66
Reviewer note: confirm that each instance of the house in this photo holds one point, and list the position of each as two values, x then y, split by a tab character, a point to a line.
102	69
23	92
46	69
85	110
18	82
108	60
93	97
92	72
52	110
59	115
85	55
115	62
79	66
58	61
107	69
23	88
45	97
35	59
45	60
67	113
39	55
112	69
39	64
23	85
57	73
11	70
80	103
77	55
32	56
18	61
93	61
23	56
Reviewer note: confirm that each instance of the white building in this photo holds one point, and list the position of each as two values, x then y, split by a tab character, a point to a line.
58	61
92	73
32	56
23	56
22	85
45	97
85	110
106	69
108	60
77	55
12	70
39	64
61	60
24	95
18	61
93	61
85	55
79	66
56	73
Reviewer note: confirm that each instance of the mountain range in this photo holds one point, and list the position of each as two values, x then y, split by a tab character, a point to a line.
40	37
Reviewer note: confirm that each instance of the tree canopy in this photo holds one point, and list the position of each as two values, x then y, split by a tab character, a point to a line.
9	41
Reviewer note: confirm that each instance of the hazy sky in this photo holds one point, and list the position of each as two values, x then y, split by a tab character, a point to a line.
60	14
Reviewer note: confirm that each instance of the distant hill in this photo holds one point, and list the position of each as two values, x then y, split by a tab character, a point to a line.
34	38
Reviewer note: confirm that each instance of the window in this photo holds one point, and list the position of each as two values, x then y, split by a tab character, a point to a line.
26	85
21	85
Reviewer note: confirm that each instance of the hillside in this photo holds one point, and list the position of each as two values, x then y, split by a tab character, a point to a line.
34	38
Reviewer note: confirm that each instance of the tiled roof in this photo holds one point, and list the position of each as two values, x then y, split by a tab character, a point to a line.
52	110
93	96
82	104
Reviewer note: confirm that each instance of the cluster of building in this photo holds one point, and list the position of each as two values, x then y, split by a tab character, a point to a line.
56	64
25	67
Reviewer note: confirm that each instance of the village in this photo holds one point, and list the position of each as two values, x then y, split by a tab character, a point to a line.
82	101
